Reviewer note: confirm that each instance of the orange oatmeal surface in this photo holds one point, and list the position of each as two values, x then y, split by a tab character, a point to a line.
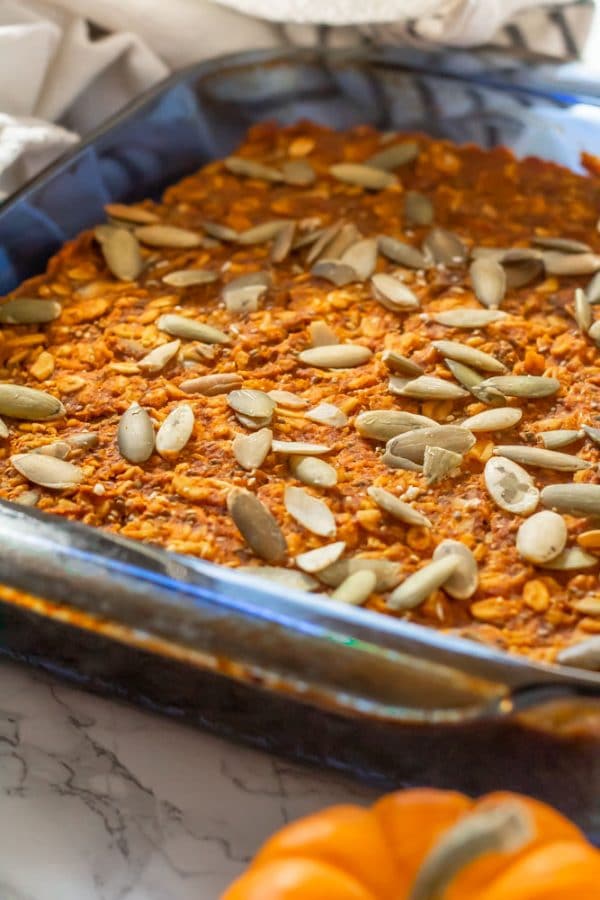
89	358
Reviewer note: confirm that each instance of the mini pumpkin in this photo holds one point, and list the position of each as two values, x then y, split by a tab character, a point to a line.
426	845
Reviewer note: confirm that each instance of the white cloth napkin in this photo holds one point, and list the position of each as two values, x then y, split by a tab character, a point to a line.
56	67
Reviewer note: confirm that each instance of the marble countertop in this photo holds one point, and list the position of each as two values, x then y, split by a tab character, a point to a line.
100	801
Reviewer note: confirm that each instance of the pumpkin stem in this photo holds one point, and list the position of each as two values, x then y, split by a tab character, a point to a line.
502	828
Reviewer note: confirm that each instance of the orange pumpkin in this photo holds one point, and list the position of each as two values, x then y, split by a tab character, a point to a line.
426	845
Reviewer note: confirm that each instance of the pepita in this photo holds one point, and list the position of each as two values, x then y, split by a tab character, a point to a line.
439	463
571	263
583	311
298	172
136	214
29	311
530	387
388	573
572	558
465	375
313	471
521	267
284	578
498	419
135	435
393	293
190	329
322	242
282	245
327	414
383	424
415	589
176	430
592	433
592	291
368	177
540	458
400	462
469	356
542	537
310	512
121	251
489	282
253	403
57	449
211	385
397	508
465	317
249	168
157	359
464	580
418	209
167	236
4	432
286	398
243	298
189	277
257	525
220	232
563	245
83	440
20	402
300	448
251	450
336	356
445	248
573	499
356	588
426	387
560	437
321	335
47	471
394	156
510	486
412	444
583	655
336	272
260	234
399	364
361	257
315	560
401	253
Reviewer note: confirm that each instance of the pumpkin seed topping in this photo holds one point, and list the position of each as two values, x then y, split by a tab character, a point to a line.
464	580
400	462
83	440
418	209
157	359
571	263
412	444
466	317
368	177
542	537
399	364
531	387
249	168
29	311
189	277
4	432
361	257
28	498
356	588
570	559
415	589
58	449
489	282
465	375
573	499
563	245
510	486
470	356
321	335
175	431
401	253
257	525
592	433
397	508
445	248
387	573
394	156
251	450
544	459
136	214
592	291
121	251
336	272
47	471
182	327
211	385
583	655
324	239
167	236
240	296
328	414
135	435
20	402
494	419
300	448
521	267
220	232
383	424
316	560
594	332
286	398
298	172
439	464
560	437
282	245
285	578
310	512
313	471
260	234
583	311
393	293
336	356
426	387
253	403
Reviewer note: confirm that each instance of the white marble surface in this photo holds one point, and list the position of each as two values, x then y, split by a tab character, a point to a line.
99	801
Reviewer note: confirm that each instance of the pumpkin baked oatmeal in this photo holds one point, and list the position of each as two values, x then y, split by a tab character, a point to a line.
361	364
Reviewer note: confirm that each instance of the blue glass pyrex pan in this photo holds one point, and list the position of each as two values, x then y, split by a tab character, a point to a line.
371	695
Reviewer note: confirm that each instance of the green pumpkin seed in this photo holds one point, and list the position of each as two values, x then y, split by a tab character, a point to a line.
121	251
397	363
393	293
464	580
176	430
399	462
418	209
439	464
298	172
356	588
327	414
336	356
544	459
367	177
189	277
135	214
583	655
20	402
260	234
583	311
300	448
445	248
334	271
310	512
572	558
249	168
470	356
157	359
530	387
47	471
521	267
315	560
251	450
362	258
283	242
394	156
167	236
397	508
387	573
383	424
563	245
489	282
542	537
560	437
412	444
510	486
284	578
465	375
401	253
135	435
220	232
190	329
573	499
253	403
29	311
426	387
257	525
415	589
494	419
313	471
211	385
571	263
465	317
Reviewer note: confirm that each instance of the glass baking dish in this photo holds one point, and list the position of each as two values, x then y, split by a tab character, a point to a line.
378	697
